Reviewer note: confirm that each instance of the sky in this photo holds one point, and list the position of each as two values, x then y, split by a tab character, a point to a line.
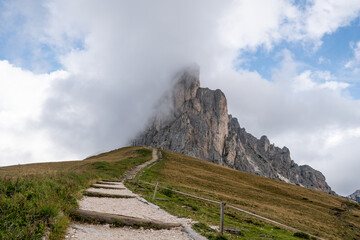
82	77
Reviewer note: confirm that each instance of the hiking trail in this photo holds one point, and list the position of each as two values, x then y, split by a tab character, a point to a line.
111	202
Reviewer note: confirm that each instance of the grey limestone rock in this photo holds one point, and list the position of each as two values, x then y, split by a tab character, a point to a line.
195	121
355	196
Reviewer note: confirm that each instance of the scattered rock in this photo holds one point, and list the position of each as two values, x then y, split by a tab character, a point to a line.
161	199
234	231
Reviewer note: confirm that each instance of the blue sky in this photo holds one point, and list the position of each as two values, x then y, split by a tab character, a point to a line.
19	45
335	51
22	40
79	77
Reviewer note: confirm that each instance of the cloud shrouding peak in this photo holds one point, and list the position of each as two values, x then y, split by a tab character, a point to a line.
118	57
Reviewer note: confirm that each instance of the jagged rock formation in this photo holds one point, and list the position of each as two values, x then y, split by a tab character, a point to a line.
196	123
355	196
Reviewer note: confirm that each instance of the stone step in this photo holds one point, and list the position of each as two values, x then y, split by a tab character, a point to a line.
107	195
119	220
111	180
108	183
106	187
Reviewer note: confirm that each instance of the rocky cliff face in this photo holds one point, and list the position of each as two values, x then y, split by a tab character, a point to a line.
355	196
196	123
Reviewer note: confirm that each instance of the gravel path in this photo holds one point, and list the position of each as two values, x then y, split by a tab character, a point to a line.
99	232
134	207
131	207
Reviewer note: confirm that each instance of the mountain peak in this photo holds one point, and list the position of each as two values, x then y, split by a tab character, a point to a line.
186	86
198	125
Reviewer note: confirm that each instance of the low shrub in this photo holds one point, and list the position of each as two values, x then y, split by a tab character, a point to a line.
302	235
167	192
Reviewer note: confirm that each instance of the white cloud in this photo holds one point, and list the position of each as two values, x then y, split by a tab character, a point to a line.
326	16
332	85
355	62
129	57
338	135
302	111
309	80
304	82
120	55
22	94
324	75
240	27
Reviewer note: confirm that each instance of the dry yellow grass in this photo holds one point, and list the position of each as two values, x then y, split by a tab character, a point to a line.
312	211
54	167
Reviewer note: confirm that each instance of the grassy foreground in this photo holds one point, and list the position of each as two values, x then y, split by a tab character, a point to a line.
36	199
310	211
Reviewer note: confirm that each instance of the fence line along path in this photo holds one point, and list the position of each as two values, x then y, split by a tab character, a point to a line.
128	209
222	205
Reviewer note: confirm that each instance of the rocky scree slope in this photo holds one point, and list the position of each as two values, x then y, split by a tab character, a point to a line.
194	121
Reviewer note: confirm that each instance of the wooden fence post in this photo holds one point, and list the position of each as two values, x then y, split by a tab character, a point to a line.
222	218
157	183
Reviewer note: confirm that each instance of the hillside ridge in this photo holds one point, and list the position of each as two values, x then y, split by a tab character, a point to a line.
194	121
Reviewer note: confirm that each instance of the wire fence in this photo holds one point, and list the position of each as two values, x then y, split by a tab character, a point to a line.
222	204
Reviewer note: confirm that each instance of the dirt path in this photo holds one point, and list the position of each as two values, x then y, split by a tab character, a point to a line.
130	207
132	173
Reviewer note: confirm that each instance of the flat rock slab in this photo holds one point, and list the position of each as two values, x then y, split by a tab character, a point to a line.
111	180
120	220
107	186
106	195
112	191
97	232
192	234
108	183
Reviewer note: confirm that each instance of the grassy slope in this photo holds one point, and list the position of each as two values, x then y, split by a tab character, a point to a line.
37	198
311	211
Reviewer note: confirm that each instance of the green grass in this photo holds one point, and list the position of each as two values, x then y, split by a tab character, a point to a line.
310	211
208	214
37	199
